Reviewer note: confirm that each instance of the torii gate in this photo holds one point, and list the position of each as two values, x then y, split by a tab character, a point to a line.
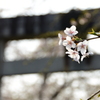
33	26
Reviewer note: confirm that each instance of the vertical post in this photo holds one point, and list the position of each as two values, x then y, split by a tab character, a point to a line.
1	63
0	87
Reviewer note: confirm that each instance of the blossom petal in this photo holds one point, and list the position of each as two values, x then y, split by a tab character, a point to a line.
60	39
85	55
69	43
65	43
68	38
83	51
77	58
71	31
74	55
73	28
82	47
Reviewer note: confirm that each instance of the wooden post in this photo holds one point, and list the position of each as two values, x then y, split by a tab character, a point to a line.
1	63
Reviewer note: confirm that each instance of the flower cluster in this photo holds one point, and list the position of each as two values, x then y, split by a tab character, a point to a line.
76	49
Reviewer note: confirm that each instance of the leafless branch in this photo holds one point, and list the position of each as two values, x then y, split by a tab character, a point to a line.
93	95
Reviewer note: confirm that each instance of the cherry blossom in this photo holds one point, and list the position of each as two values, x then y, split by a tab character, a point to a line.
75	46
69	43
82	47
74	55
71	31
60	39
85	55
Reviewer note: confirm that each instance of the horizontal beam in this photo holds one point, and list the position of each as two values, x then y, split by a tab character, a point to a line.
46	65
33	66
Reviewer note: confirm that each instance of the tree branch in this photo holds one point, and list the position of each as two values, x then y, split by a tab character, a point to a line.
77	41
93	95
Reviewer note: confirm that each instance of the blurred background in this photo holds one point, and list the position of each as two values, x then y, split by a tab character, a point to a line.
32	64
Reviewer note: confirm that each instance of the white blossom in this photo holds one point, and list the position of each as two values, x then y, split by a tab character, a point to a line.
82	47
85	55
60	38
69	43
71	31
74	55
75	50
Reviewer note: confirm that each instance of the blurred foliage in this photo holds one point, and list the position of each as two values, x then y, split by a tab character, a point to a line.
52	86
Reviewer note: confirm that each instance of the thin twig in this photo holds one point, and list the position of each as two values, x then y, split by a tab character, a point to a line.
93	95
77	41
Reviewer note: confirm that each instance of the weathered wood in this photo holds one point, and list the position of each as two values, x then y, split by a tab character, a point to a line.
46	65
1	63
23	27
33	66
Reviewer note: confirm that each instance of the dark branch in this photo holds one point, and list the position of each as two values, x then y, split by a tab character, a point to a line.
77	41
93	95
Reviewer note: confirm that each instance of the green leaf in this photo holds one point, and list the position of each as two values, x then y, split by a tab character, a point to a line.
93	32
77	38
98	95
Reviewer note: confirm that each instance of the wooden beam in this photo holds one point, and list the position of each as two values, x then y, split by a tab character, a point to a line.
33	66
2	44
46	65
